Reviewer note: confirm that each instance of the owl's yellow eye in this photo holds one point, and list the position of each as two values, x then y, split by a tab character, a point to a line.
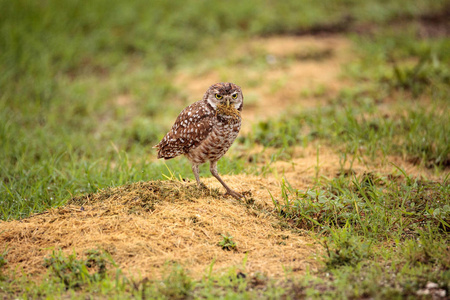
219	97
234	96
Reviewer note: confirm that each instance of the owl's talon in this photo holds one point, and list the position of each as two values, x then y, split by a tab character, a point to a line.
234	194
201	185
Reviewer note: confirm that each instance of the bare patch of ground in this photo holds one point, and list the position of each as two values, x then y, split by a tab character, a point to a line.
285	71
316	162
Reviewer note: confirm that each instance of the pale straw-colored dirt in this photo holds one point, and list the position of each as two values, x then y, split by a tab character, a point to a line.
184	226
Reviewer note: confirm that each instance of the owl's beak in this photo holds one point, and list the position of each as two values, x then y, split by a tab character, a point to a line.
228	102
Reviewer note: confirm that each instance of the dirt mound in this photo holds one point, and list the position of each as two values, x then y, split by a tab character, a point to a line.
146	224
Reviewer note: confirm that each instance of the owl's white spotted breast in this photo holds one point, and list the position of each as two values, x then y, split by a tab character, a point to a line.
217	143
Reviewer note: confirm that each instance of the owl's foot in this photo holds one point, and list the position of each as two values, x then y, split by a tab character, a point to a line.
201	185
234	194
213	169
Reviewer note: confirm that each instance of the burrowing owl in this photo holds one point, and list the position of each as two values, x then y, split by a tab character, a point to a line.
205	130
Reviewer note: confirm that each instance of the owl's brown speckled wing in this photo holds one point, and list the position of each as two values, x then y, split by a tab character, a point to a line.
191	127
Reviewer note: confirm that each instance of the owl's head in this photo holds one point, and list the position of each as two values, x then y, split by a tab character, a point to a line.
225	93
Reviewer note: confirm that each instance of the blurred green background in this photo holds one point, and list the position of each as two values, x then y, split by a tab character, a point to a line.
65	63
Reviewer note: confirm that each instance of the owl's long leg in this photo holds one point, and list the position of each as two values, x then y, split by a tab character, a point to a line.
215	173
197	177
195	171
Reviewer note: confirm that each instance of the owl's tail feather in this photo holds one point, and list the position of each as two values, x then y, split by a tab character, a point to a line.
158	147
166	157
164	154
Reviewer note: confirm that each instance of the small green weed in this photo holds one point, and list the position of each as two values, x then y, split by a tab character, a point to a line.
227	243
177	285
3	262
74	272
344	248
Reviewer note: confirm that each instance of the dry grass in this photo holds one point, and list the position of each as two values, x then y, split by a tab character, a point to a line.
146	224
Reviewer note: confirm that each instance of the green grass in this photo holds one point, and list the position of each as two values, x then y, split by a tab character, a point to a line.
380	208
86	90
73	272
357	126
96	276
385	236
